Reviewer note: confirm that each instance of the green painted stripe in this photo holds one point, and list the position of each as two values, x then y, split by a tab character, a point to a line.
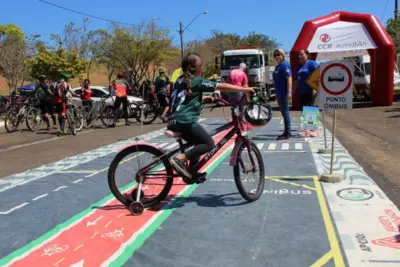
139	241
59	228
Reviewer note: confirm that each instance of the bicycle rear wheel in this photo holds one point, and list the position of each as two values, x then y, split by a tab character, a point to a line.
121	184
243	168
149	113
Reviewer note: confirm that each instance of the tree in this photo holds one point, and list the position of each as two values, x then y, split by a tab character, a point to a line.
12	54
393	29
136	48
79	39
53	62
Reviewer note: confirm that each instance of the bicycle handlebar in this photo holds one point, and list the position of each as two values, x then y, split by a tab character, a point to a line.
227	104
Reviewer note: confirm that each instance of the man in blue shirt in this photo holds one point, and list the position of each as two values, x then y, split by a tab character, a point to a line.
283	90
304	71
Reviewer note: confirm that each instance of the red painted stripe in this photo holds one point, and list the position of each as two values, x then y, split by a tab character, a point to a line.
96	243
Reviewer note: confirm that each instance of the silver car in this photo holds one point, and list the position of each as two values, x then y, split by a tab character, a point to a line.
98	92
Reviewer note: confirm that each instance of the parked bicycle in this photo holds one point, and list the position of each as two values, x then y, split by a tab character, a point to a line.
151	109
27	112
160	169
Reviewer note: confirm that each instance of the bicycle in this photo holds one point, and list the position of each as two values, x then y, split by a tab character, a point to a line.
107	113
136	201
16	115
151	110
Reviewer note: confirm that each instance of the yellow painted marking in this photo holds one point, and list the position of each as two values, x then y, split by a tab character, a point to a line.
93	235
323	260
330	230
122	162
122	214
78	247
108	224
58	262
79	171
292	177
291	183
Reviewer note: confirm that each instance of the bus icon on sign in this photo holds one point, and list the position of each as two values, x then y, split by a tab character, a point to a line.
339	78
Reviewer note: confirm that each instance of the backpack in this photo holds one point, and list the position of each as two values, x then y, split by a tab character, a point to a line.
40	94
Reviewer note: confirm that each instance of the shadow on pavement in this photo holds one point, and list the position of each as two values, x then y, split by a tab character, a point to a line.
206	200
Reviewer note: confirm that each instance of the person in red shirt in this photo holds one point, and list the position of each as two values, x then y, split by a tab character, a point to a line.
86	94
62	87
121	86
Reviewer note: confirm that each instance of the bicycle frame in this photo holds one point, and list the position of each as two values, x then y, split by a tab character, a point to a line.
182	147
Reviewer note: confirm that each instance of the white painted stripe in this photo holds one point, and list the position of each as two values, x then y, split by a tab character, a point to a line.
260	145
272	146
284	151
77	181
150	222
298	146
285	146
39	197
172	146
59	188
163	144
15	208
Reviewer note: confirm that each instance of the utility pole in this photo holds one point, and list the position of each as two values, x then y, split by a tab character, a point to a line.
396	11
181	34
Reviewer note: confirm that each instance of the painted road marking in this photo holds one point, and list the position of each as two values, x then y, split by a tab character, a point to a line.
14	208
78	171
299	146
121	253
68	163
39	197
260	145
285	146
272	146
291	183
172	146
59	188
75	182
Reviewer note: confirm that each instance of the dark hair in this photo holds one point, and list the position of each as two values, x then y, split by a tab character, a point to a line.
86	80
190	65
306	52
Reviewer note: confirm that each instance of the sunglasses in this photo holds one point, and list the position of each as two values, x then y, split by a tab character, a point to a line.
277	55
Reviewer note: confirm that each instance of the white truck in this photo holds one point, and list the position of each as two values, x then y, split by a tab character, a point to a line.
259	67
362	76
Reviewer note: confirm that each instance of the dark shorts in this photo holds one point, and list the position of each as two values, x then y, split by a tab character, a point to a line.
46	106
61	107
162	99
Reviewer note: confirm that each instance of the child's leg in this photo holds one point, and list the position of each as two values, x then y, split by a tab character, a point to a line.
202	142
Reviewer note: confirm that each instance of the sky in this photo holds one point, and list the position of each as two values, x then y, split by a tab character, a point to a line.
279	20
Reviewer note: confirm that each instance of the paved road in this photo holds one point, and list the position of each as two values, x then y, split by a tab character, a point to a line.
62	214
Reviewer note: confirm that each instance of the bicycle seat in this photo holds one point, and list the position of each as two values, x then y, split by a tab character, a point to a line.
172	134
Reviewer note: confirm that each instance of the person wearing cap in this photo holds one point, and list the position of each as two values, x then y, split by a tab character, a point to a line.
120	86
161	85
44	95
283	89
61	88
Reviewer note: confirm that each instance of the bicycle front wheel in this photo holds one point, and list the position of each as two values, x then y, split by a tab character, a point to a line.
249	162
128	164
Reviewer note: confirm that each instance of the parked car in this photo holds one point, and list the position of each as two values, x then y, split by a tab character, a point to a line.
98	92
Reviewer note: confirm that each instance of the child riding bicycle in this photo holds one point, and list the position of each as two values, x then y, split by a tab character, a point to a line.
185	109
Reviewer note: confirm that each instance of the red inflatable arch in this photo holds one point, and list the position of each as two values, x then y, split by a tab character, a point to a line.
382	58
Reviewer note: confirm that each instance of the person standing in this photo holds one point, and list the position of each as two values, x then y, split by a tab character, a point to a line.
283	89
238	77
45	96
161	85
120	86
303	72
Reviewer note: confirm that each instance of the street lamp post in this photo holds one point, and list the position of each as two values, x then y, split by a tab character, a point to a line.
181	30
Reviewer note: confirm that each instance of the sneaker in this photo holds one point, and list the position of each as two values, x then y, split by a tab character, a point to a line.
181	167
284	136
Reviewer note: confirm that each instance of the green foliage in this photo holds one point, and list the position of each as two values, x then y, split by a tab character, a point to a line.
393	29
136	48
52	62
